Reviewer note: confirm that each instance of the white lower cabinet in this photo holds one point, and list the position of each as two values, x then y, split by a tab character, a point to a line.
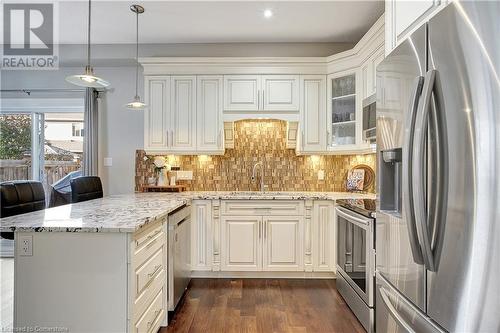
241	243
263	236
323	236
201	235
283	239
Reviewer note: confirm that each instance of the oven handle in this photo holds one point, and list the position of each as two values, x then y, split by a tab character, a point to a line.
353	218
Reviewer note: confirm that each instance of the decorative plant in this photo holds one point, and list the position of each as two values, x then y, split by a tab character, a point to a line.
160	163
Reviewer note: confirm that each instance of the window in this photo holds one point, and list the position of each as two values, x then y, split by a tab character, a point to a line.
39	143
77	129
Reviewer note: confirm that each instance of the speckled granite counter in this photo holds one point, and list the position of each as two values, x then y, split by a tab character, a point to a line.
244	195
117	213
131	212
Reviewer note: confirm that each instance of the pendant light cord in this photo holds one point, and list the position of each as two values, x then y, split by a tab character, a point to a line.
88	36
136	52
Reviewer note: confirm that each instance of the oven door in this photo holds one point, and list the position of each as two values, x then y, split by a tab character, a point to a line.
355	252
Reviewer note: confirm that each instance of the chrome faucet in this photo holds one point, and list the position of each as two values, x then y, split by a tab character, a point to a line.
261	165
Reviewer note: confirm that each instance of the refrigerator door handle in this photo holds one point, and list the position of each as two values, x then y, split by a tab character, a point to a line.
394	313
419	195
407	171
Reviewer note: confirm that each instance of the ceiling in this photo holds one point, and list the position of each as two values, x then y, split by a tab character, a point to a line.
219	21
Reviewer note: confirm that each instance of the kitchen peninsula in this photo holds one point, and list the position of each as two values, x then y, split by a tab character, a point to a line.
101	265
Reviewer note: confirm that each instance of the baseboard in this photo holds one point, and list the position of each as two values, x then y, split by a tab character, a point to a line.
263	275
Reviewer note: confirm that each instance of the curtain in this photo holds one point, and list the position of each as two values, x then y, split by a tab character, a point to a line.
90	137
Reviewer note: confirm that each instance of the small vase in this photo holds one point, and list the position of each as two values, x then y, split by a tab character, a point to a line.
162	178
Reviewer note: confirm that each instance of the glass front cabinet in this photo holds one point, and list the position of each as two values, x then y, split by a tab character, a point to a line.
345	112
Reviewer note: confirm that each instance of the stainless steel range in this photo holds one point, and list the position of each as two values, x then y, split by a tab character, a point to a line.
356	257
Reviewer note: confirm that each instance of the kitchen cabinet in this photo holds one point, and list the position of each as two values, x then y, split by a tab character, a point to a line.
323	236
314	133
261	93
403	17
283	238
201	235
157	115
242	92
241	240
369	73
210	126
344	112
183	113
280	92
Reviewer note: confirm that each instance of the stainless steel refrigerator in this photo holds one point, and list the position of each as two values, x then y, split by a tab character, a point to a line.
438	187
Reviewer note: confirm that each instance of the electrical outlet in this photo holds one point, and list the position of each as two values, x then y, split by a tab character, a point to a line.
321	174
26	245
184	175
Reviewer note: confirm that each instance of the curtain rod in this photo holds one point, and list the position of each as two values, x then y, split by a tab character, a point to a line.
29	91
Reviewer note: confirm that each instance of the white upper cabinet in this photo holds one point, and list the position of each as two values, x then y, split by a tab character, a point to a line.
369	73
404	16
261	93
242	92
183	113
209	114
313	135
283	243
280	92
157	115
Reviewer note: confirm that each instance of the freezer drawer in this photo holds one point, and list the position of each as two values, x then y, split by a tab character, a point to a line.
395	314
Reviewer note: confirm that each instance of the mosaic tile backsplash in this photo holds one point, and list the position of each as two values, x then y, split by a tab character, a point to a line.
254	141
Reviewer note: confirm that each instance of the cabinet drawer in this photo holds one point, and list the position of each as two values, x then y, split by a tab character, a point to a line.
152	317
146	243
149	270
262	207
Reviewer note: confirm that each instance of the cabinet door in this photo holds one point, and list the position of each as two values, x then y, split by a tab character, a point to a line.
280	92
156	116
183	113
345	111
209	114
408	12
241	243
323	237
314	134
201	235
283	243
241	92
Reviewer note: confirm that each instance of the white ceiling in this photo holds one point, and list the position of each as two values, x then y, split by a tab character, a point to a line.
219	21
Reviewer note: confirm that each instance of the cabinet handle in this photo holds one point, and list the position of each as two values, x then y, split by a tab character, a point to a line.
265	229
167	136
263	98
258	99
153	273
172	137
260	223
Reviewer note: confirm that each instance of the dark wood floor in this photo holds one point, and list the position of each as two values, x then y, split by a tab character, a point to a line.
263	305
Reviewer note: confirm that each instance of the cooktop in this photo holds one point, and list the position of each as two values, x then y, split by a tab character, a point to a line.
365	207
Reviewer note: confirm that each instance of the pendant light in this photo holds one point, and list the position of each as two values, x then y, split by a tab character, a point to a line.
88	79
136	104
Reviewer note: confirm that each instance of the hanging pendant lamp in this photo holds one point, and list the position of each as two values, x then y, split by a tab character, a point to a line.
136	104
88	79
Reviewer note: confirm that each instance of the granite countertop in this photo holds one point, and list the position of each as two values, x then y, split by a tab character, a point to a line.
131	212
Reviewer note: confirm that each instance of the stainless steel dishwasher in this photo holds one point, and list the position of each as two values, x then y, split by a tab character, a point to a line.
179	254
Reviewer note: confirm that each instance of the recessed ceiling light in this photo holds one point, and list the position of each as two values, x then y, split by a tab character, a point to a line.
268	13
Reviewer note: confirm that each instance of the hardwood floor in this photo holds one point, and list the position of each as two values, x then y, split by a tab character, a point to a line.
264	306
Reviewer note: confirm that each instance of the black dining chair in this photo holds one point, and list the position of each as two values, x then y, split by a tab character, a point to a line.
86	188
20	197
